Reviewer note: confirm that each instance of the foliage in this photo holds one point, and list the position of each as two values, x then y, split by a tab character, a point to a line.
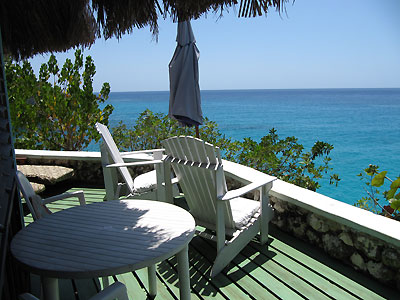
284	158
57	110
151	128
375	180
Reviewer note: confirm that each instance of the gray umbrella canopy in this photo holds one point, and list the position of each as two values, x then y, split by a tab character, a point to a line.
184	98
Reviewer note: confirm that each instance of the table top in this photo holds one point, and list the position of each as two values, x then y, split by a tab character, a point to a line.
103	239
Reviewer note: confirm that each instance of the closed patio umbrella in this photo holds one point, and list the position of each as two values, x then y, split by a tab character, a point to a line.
184	99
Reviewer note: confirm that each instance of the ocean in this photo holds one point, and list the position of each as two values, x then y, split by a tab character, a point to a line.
362	124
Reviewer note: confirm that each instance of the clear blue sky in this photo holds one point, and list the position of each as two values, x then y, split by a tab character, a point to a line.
318	44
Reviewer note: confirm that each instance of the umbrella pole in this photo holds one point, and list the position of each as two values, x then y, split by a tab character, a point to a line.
197	131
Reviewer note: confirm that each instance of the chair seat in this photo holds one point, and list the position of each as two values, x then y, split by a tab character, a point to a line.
243	210
145	182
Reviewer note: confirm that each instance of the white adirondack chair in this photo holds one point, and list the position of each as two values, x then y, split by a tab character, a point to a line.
199	169
145	186
35	203
115	291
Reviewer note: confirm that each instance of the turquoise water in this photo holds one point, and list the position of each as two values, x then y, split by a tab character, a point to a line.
362	124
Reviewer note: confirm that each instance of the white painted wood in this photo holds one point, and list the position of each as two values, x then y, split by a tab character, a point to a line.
112	158
200	170
152	279
183	273
29	196
103	239
115	291
358	219
58	155
362	220
140	163
50	288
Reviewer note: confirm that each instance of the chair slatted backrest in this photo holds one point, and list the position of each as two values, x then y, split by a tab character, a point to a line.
32	200
196	165
115	154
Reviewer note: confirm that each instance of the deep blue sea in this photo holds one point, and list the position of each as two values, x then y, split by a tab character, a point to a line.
362	124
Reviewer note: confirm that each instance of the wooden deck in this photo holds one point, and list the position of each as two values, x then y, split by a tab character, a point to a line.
287	269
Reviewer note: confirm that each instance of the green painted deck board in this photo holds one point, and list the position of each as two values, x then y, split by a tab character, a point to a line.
289	277
356	283
210	287
287	269
307	282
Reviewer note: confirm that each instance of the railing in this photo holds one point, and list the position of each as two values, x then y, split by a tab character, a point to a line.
366	241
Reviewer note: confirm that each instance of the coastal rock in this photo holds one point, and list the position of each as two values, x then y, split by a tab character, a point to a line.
334	226
313	237
358	261
346	238
297	226
368	246
302	212
335	247
280	222
391	258
381	272
280	206
317	223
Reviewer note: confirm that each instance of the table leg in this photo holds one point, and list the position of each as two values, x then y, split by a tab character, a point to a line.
183	273
152	278
50	288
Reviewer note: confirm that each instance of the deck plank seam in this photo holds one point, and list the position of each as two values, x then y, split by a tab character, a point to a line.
205	275
225	273
166	286
141	284
288	270
192	289
318	273
272	275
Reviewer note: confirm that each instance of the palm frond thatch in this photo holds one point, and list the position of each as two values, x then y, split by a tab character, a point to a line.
37	26
31	27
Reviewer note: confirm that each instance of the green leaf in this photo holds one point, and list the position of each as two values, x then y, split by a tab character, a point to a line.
394	203
395	184
379	179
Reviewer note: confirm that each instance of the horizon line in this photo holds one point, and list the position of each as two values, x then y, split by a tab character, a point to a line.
264	89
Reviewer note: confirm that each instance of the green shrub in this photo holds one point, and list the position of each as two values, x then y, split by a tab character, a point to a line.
284	158
57	110
374	181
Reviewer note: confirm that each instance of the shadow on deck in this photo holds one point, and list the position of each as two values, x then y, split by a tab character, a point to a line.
287	269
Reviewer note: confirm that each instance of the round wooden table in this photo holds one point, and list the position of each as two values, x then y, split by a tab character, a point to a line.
106	238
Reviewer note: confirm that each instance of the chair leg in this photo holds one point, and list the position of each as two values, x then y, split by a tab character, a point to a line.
105	281
228	252
267	213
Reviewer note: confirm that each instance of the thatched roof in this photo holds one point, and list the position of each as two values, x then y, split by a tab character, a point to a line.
29	27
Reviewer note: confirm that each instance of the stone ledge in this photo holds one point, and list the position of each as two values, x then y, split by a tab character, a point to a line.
356	218
46	174
38	187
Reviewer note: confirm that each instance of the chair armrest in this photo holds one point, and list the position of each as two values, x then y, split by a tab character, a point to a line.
79	194
174	180
140	163
27	296
142	151
243	190
155	154
116	290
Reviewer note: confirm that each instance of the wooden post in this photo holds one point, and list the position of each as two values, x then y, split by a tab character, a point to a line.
197	131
